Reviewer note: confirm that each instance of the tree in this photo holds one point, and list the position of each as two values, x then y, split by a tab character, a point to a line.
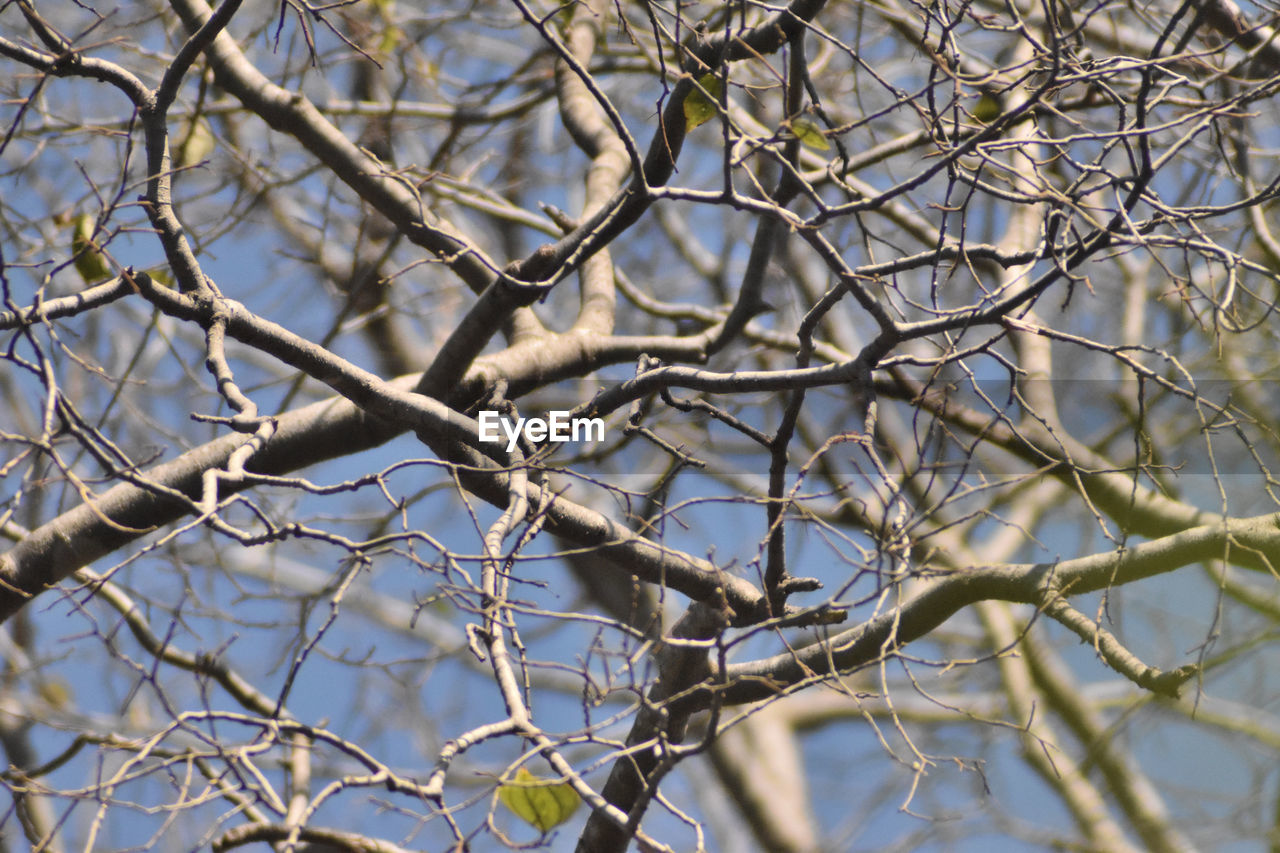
912	362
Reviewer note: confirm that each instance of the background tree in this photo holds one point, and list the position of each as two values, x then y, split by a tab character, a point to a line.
933	344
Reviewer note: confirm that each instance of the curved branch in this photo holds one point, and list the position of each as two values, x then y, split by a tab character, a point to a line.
293	114
1253	542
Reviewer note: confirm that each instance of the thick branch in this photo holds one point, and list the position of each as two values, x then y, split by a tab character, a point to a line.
631	784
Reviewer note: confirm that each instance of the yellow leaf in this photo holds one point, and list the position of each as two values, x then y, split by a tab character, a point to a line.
541	803
88	257
810	135
700	106
56	692
161	276
197	144
391	38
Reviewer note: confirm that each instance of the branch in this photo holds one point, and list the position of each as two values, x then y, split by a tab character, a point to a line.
1249	541
293	114
631	785
1228	19
326	430
1041	745
1136	796
1118	657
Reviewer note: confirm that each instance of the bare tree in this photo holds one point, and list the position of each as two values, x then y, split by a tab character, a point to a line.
813	426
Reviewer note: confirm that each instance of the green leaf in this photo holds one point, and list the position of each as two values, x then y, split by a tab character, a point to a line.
988	108
89	261
700	106
541	803
810	135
